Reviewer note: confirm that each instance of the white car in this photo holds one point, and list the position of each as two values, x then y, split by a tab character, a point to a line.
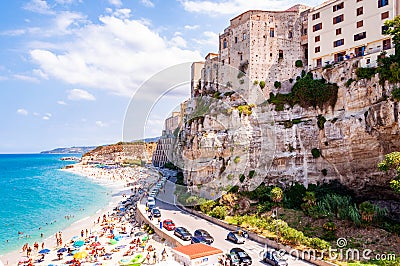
151	201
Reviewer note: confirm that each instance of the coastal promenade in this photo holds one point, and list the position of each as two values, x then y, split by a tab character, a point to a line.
169	210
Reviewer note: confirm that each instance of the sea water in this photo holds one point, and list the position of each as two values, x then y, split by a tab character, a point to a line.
36	197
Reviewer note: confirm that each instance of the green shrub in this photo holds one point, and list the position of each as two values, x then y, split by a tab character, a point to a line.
241	74
324	172
236	160
207	206
255	82
217	95
252	173
219	212
348	82
321	122
277	84
242	177
245	109
365	72
262	84
316	153
396	94
298	63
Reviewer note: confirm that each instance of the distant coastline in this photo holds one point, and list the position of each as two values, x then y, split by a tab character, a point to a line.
70	150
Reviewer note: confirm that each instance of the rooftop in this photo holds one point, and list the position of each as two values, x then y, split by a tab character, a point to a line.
198	250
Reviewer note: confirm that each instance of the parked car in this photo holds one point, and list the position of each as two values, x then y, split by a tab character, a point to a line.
272	257
233	258
182	233
235	237
151	200
205	235
242	233
198	239
168	224
156	212
244	258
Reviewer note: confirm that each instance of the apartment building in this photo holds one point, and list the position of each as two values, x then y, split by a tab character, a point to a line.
344	29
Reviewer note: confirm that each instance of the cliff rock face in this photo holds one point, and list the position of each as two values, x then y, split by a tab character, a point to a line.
220	148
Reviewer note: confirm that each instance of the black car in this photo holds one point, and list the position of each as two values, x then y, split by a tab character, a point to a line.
198	239
205	235
244	258
156	212
272	257
182	233
234	237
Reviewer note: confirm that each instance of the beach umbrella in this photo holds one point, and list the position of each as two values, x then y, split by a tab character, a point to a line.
95	244
80	255
62	250
23	260
79	243
44	251
113	241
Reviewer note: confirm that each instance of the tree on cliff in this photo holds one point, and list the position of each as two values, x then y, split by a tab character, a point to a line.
394	30
392	162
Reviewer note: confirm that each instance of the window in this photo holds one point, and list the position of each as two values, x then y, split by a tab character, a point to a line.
241	57
317	38
338	19
384	29
385	15
338	7
338	43
280	54
360	36
225	44
359	51
271	32
236	39
359	1
315	16
382	3
290	35
319	62
317	49
244	36
360	11
223	62
360	23
386	44
317	27
339	31
339	57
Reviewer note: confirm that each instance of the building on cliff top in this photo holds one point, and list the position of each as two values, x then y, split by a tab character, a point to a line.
343	29
265	45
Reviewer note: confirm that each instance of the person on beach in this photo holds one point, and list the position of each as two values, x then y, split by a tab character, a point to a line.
82	233
148	257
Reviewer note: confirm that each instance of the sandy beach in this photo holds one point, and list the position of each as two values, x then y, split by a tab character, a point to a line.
100	227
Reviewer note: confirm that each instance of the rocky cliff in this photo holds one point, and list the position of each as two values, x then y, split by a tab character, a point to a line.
226	144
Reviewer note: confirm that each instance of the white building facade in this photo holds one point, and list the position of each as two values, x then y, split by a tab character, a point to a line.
344	29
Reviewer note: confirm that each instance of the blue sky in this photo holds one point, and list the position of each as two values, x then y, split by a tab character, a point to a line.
70	68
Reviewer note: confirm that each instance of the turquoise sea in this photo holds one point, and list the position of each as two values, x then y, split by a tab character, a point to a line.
35	197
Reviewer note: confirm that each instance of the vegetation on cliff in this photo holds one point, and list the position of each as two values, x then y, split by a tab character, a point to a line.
392	162
307	92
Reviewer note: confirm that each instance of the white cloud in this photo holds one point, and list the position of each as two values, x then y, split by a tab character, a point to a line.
48	114
22	111
40	73
234	7
147	3
38	6
26	78
208	38
178	41
122	13
35	113
191	27
78	94
101	124
46	118
117	54
61	102
115	2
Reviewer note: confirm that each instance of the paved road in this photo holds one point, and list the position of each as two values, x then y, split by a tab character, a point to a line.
165	202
